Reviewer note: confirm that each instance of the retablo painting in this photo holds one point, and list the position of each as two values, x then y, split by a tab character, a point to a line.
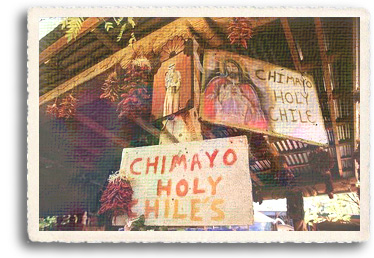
243	92
173	82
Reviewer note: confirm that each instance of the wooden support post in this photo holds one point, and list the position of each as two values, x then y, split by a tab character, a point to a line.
356	98
328	82
295	210
154	131
291	43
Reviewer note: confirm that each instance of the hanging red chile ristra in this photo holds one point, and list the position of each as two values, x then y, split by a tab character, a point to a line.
117	197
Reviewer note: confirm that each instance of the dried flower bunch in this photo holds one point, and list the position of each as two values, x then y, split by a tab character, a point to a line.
240	31
65	109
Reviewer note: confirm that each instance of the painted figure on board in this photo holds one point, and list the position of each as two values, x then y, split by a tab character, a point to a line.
232	98
172	85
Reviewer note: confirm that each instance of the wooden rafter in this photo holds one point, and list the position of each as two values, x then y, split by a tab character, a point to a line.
101	130
291	43
62	43
255	178
340	186
150	43
328	81
106	40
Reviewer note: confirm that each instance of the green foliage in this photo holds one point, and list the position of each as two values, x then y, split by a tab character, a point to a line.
122	30
132	39
73	26
124	23
47	223
321	208
108	26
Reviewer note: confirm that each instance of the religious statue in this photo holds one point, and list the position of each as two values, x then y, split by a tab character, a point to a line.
172	85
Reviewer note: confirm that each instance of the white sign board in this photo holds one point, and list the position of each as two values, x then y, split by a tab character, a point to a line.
191	184
251	94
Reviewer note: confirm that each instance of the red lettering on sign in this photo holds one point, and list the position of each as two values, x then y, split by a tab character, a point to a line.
195	160
166	188
182	183
196	189
152	164
233	159
177	161
212	157
132	166
149	209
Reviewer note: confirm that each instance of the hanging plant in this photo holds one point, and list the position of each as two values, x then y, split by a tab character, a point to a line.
240	31
136	90
67	108
73	26
53	110
111	88
117	197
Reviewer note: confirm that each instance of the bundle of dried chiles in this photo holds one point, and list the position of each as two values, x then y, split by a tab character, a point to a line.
53	109
111	88
65	109
131	87
240	31
136	96
117	197
135	103
137	73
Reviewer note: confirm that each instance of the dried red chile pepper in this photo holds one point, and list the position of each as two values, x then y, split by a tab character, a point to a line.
117	197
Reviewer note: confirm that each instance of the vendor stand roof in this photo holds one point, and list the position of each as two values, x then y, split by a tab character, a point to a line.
77	156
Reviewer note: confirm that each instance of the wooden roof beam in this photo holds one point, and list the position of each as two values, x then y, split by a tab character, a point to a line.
256	179
328	81
62	43
340	186
101	130
291	44
150	43
106	40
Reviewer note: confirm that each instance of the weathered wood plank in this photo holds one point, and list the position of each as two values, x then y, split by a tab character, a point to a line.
101	130
150	43
60	44
291	43
106	40
328	81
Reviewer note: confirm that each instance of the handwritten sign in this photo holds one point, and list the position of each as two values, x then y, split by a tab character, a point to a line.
191	184
251	94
